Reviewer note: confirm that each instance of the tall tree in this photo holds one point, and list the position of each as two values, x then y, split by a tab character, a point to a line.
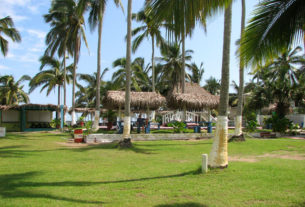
196	73
12	92
96	15
50	78
71	13
238	118
126	133
219	153
172	63
276	24
139	74
212	85
7	28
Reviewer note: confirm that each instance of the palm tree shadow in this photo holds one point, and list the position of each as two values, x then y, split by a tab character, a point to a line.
187	204
10	184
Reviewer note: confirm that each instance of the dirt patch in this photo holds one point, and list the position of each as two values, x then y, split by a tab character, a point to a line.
277	154
242	159
287	156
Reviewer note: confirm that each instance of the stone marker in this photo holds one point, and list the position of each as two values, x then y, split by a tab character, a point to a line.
204	163
2	131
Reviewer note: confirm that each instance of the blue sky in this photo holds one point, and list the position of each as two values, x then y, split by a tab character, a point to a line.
27	14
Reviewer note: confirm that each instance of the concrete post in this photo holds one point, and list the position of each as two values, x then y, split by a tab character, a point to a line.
204	163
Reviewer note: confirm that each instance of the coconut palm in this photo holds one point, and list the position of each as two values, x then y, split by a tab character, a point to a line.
71	13
212	85
196	73
276	24
238	118
96	15
12	92
219	153
126	133
50	78
86	95
139	74
172	62
7	28
150	28
57	41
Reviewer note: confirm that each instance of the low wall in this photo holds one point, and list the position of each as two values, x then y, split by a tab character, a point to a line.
104	138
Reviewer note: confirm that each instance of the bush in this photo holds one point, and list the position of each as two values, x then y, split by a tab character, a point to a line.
251	125
178	126
279	124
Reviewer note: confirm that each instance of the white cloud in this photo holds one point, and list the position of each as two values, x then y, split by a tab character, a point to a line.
37	33
3	67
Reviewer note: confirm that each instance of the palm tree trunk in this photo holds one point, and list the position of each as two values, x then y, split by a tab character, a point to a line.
126	132
76	53
58	104
183	72
238	118
65	85
98	77
153	114
219	153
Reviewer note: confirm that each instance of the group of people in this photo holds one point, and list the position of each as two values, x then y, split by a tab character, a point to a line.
141	123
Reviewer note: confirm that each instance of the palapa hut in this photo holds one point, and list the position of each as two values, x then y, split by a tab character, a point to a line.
139	101
85	111
194	98
27	117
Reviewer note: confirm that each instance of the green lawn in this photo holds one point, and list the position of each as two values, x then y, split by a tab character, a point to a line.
37	170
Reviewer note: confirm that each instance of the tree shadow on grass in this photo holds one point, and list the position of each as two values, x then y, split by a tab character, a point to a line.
302	204
175	144
14	151
114	145
10	185
187	204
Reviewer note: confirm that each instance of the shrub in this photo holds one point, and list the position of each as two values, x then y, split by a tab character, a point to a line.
279	124
178	126
251	125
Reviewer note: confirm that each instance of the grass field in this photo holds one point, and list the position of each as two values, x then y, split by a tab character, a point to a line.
40	169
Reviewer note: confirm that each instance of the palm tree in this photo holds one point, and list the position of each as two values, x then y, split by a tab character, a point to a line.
7	28
96	15
212	85
126	133
86	95
172	62
71	13
150	29
12	92
139	74
57	40
276	24
196	73
219	153
238	118
51	78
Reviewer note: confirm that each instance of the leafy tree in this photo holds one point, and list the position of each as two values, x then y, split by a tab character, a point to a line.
212	85
276	24
50	78
196	73
71	14
96	16
7	28
12	92
139	74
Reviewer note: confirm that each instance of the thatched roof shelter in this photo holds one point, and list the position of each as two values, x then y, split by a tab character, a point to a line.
85	110
140	101
194	98
30	106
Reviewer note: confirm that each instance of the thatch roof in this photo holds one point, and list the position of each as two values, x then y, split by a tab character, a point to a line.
194	98
140	101
85	110
30	107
